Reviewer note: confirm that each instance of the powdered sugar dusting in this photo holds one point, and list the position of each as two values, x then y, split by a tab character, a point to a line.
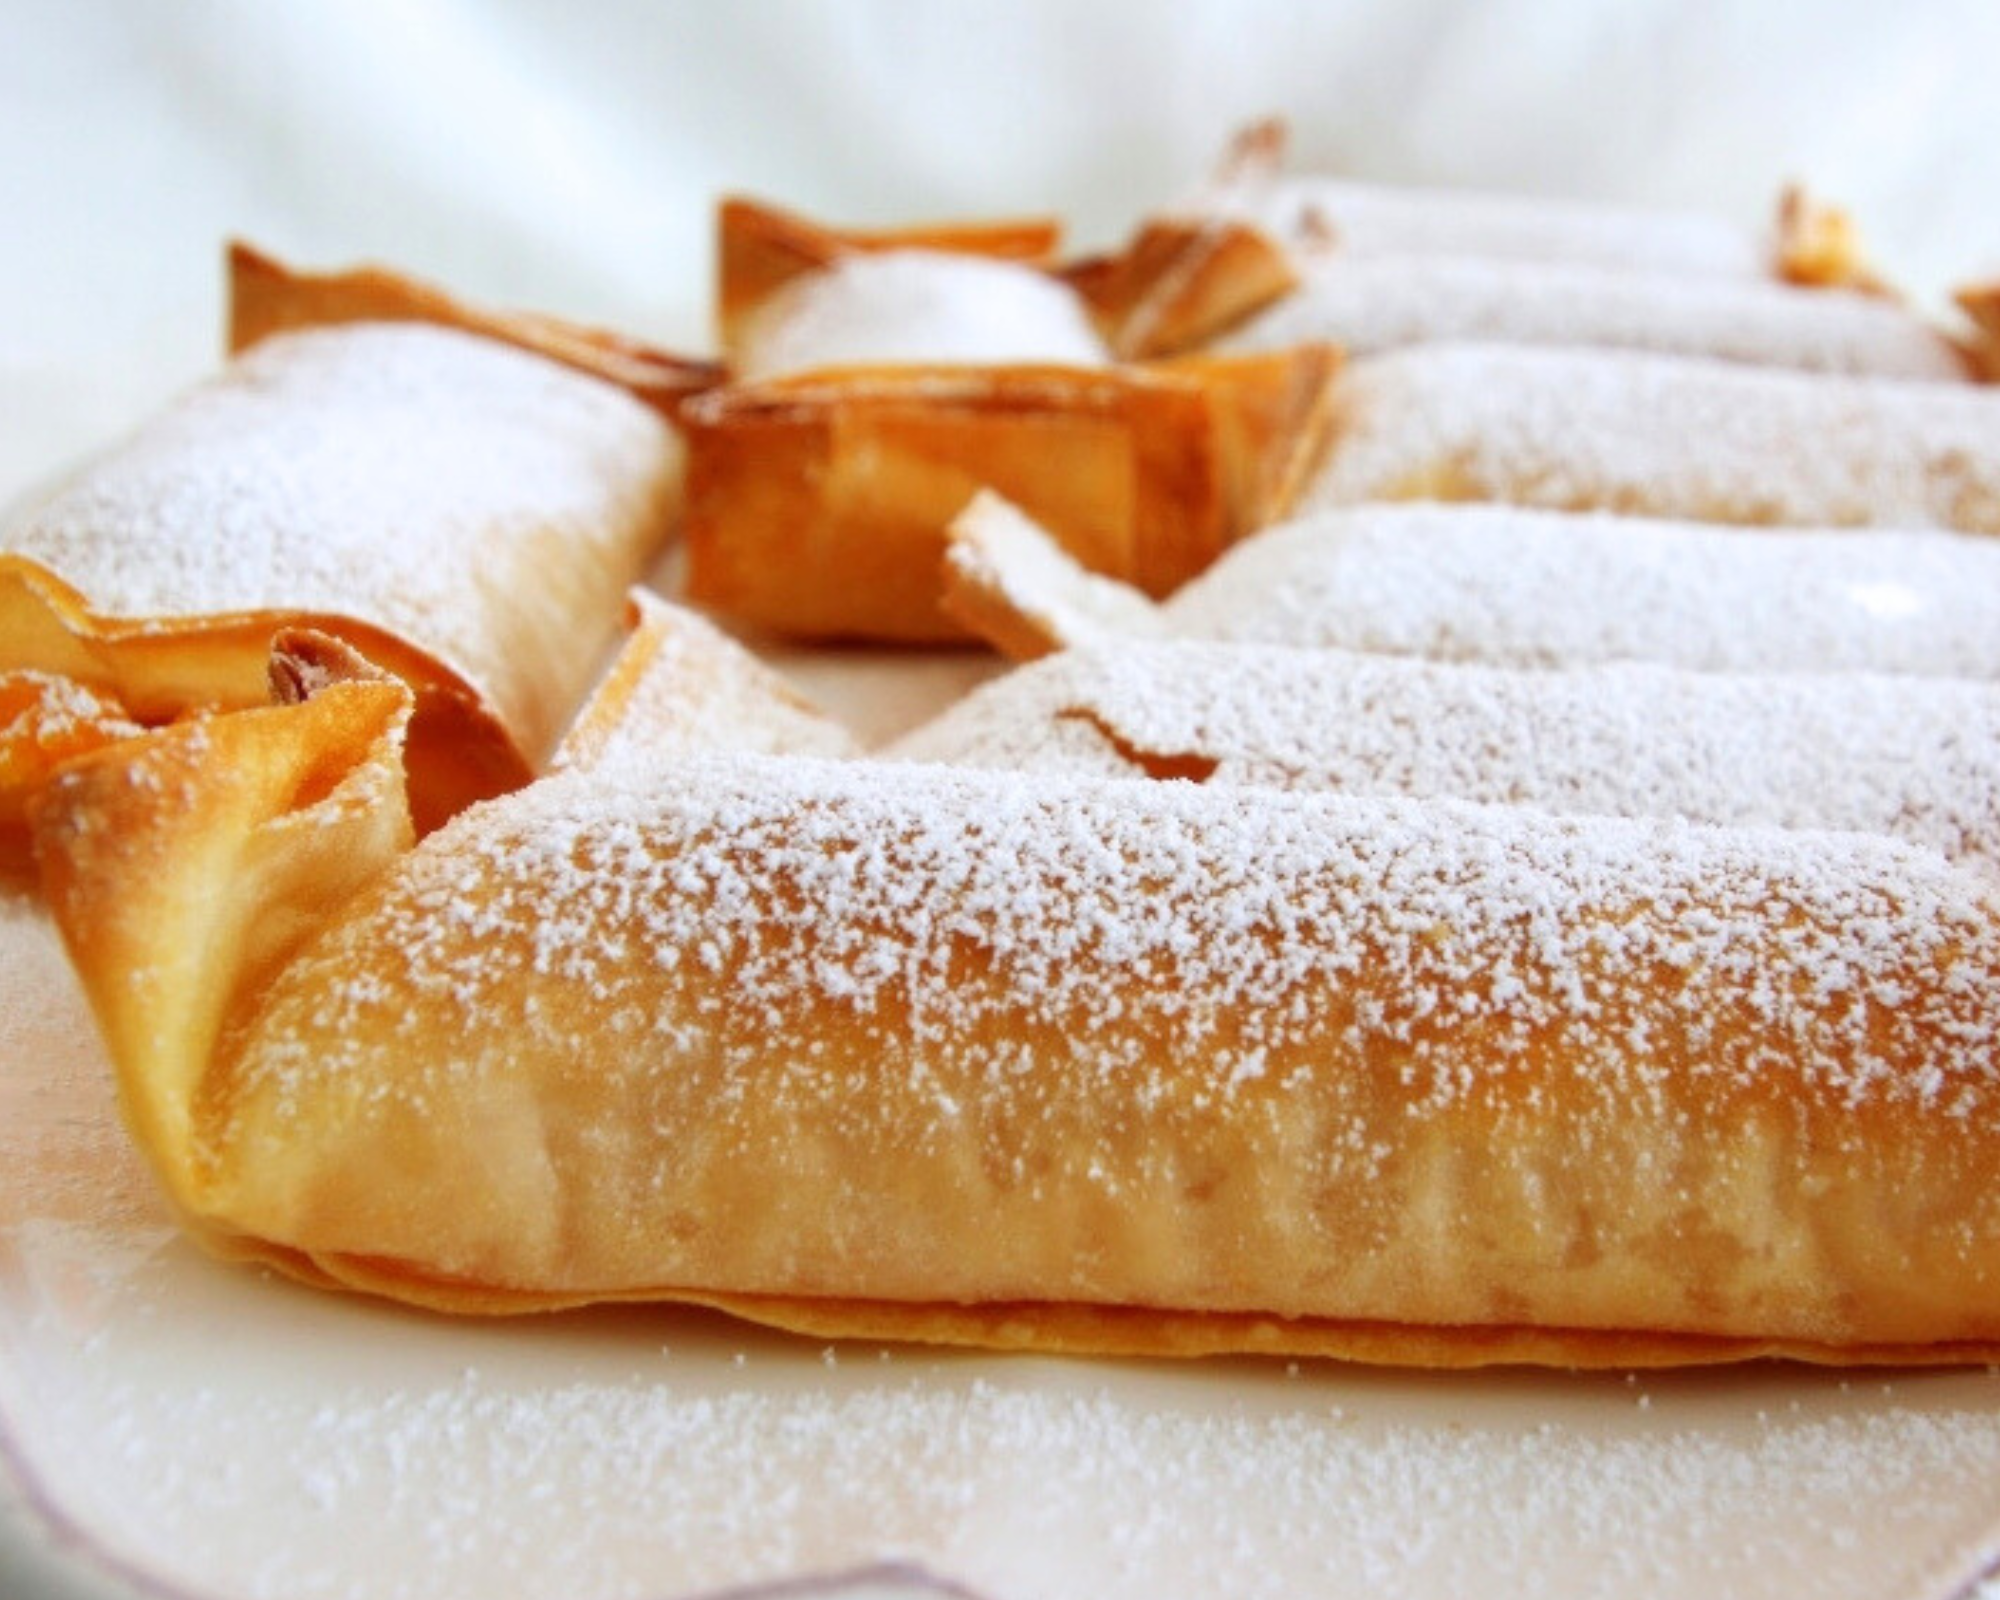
1371	304
1911	757
1661	435
1527	588
919	306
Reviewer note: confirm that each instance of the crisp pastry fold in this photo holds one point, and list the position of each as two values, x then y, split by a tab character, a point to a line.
818	504
1515	587
1046	1063
1661	436
468	514
1911	758
268	297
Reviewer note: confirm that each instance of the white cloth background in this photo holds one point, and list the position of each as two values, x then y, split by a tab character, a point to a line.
566	156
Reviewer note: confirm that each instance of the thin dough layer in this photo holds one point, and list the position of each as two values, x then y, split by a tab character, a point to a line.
1254	237
267	297
764	252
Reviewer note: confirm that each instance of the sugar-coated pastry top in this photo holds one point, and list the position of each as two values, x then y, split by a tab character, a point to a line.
1663	436
1911	757
1536	588
918	307
1368	304
842	883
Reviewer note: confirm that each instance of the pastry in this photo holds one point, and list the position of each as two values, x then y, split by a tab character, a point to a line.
1368	304
1911	758
1519	588
884	377
817	504
1041	1062
1661	436
679	684
1981	303
467	514
1254	233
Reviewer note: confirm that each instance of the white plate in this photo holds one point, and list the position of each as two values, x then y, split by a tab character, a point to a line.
210	1430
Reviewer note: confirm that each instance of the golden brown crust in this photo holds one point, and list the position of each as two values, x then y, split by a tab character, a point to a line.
1138	1332
1981	302
1180	283
46	722
1008	583
154	670
267	297
817	505
1820	246
289	807
761	248
466	515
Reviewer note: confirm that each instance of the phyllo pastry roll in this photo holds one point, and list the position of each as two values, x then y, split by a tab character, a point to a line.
1052	1063
467	514
1368	304
1911	758
1255	235
1578	430
1518	588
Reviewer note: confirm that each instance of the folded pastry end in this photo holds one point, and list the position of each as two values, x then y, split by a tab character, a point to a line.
185	865
1981	302
1007	582
1180	283
143	672
680	684
1819	246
